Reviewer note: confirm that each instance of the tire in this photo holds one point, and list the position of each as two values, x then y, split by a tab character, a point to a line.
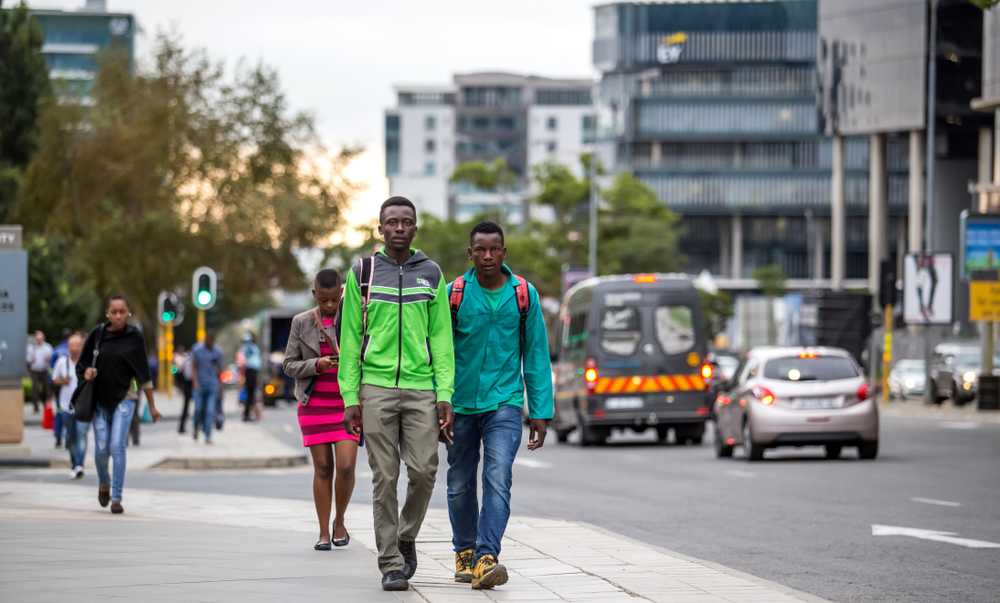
690	434
593	436
833	451
754	452
935	394
662	434
562	435
868	450
722	451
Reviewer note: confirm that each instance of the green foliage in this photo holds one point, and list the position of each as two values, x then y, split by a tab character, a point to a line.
24	89
637	233
492	176
771	279
56	300
179	167
717	308
985	4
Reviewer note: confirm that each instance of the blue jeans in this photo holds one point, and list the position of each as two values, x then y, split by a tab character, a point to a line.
76	439
499	432
204	409
110	440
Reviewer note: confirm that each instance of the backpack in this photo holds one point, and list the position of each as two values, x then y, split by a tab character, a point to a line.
520	293
365	284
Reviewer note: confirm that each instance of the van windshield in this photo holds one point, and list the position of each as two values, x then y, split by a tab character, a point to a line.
674	328
621	330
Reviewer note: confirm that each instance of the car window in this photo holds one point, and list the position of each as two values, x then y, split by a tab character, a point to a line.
621	330
748	370
675	328
810	368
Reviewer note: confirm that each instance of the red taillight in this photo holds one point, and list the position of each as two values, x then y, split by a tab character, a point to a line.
863	391
765	395
707	371
730	441
590	375
724	400
702	411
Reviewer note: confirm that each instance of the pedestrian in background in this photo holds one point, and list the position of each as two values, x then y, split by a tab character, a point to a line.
397	372
182	361
59	424
39	355
312	358
64	377
121	358
501	352
251	359
206	364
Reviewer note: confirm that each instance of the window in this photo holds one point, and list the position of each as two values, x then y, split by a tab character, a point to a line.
551	146
481	123
430	145
589	127
430	168
430	123
552	123
506	123
821	368
675	328
575	335
620	330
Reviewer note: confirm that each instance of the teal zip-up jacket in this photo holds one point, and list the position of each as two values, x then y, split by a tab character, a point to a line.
488	365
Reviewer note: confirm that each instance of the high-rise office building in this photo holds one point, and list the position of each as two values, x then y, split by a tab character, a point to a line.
74	40
525	120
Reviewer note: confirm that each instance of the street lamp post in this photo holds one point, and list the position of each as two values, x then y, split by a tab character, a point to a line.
592	234
929	221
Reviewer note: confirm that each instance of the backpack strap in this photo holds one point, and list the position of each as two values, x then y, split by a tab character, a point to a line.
365	283
523	305
455	299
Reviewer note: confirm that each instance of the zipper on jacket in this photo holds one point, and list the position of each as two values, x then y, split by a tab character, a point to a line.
399	357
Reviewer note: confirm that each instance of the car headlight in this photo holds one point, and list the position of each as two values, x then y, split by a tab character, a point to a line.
969	376
911	383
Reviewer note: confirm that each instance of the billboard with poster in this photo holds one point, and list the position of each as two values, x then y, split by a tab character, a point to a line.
980	245
928	289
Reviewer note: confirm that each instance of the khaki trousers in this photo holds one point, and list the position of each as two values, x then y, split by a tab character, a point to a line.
399	424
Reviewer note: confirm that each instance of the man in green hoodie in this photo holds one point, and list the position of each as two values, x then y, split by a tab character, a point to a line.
501	354
396	375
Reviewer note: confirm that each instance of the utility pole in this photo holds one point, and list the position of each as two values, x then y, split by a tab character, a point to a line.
592	239
930	166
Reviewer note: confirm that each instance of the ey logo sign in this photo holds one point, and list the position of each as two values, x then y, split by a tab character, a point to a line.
670	47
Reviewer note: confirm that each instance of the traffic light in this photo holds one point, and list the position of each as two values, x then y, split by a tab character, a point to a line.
168	308
887	283
204	288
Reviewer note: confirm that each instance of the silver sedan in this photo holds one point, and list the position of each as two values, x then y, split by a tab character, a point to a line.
796	396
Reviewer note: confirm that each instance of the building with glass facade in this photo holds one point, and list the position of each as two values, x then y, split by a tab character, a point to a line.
714	105
74	40
525	120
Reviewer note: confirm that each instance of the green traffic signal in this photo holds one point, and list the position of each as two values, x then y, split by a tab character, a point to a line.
168	316
204	297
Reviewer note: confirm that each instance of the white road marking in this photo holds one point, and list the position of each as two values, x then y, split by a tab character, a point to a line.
936	536
741	473
531	463
935	501
960	425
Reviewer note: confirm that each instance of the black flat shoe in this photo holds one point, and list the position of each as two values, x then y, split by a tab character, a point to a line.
346	540
395	580
322	546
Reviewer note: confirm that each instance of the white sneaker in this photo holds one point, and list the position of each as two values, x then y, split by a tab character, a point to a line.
78	472
72	473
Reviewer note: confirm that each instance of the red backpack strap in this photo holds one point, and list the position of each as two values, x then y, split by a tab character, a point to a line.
523	305
455	299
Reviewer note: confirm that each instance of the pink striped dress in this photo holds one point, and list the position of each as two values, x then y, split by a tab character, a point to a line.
322	418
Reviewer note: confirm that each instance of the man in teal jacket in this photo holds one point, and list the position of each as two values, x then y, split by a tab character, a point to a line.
496	365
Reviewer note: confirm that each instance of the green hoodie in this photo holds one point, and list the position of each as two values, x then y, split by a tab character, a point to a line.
408	343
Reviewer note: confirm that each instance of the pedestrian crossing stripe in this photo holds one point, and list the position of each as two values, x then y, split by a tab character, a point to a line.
649	384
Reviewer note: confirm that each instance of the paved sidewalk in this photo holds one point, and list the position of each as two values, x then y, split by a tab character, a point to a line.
56	544
941	412
238	446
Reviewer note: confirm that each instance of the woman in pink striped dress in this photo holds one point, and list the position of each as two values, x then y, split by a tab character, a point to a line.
311	357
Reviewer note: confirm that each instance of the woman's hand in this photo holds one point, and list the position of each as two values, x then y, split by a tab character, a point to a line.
324	364
89	374
155	414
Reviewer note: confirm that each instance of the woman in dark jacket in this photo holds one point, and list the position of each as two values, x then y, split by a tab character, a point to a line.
121	361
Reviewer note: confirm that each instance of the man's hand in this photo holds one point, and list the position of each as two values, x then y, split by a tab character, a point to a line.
446	420
89	374
352	420
155	414
536	437
324	364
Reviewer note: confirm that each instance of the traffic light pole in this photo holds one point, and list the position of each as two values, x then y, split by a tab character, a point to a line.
887	352
200	335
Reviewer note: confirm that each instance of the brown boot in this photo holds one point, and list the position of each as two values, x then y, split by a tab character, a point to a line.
104	494
116	507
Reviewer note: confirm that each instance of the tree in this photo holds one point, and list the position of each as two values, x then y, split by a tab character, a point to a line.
24	89
55	299
985	4
492	176
771	279
637	233
179	166
718	309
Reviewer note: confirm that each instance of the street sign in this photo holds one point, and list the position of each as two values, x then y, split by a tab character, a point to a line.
10	236
13	312
928	289
984	300
980	245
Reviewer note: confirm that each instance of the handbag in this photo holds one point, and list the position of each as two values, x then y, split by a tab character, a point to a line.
82	403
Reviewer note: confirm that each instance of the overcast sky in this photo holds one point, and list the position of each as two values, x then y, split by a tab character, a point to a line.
339	59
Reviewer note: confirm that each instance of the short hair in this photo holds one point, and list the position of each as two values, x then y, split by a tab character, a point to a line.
118	296
396	201
486	227
327	278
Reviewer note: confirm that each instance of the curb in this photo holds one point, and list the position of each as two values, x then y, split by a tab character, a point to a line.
201	464
34	463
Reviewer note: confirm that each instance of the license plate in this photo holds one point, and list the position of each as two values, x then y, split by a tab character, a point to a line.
623	403
812	403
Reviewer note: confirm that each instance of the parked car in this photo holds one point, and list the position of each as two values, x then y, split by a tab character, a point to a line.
907	378
631	353
795	396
